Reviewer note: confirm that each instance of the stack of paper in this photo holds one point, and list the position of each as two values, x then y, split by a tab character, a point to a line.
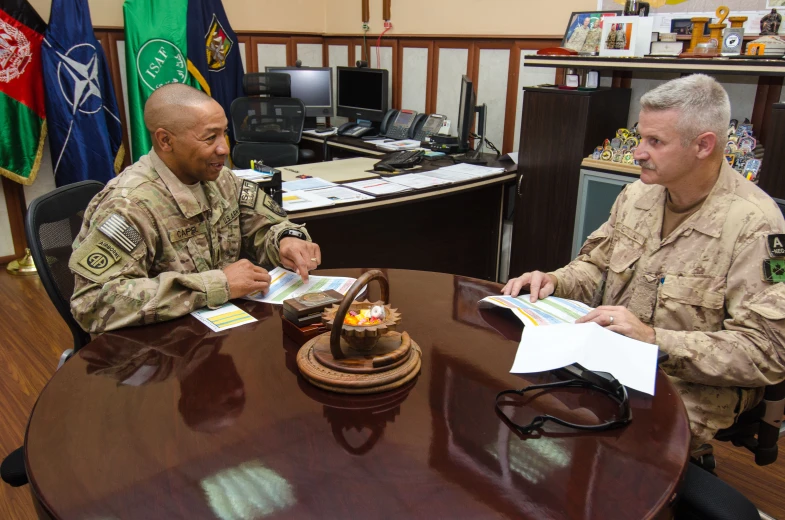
474	170
252	175
417	181
286	284
321	133
339	194
377	187
394	146
312	183
225	317
563	342
299	200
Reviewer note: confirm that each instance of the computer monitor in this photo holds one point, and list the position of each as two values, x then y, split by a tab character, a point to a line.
465	112
313	86
362	93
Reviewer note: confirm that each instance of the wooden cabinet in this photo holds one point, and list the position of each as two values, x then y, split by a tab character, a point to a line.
558	129
772	176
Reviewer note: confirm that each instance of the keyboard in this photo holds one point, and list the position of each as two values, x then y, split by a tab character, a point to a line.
400	160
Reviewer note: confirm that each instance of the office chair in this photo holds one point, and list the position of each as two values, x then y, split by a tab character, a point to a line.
52	222
51	225
267	123
703	496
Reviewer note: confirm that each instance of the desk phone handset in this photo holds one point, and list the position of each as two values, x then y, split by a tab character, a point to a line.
355	130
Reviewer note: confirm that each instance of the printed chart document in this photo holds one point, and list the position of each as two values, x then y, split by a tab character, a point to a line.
377	187
225	317
299	200
314	183
286	284
551	339
339	194
417	181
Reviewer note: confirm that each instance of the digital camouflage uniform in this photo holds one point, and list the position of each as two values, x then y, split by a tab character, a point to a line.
148	252
701	289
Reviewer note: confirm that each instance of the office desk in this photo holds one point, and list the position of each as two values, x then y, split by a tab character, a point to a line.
453	228
339	147
173	421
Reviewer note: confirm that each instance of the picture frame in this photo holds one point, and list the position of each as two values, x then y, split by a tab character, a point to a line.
591	20
624	36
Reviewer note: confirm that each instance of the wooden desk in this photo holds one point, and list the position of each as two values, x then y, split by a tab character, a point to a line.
172	421
453	228
338	147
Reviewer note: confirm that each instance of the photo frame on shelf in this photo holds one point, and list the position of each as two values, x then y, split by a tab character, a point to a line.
626	36
584	30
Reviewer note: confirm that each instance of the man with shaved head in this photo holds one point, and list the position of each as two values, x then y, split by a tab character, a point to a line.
177	230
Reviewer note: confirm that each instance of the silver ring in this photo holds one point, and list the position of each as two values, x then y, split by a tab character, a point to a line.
611	319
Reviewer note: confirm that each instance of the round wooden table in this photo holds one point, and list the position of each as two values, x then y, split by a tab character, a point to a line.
174	421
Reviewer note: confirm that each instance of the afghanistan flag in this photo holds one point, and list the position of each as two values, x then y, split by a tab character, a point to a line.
85	133
155	54
22	110
214	53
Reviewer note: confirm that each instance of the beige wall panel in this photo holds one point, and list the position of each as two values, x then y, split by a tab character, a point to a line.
45	180
492	90
242	56
414	78
310	54
528	76
270	55
458	17
386	63
337	56
452	65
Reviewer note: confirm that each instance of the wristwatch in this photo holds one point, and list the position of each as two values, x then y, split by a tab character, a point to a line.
295	233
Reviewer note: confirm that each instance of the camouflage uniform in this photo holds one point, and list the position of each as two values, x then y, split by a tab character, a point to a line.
701	289
577	38
148	252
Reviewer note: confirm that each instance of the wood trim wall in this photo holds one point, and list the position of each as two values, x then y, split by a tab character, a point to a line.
430	106
449	44
17	208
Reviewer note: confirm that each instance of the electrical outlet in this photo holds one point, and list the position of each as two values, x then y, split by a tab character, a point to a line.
387	24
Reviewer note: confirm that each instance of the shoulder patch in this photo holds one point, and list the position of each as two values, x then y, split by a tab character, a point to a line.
248	194
98	259
774	270
119	231
273	206
776	245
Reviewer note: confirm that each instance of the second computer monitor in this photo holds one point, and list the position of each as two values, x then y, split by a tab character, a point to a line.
362	93
313	86
466	112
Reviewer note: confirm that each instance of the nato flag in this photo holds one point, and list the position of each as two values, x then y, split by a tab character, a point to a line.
214	52
85	134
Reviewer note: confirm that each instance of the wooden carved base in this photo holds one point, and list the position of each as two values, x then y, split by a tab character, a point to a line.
394	361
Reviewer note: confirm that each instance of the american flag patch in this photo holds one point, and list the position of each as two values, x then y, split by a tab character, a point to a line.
121	232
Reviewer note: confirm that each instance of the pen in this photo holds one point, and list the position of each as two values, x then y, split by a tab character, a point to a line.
290	170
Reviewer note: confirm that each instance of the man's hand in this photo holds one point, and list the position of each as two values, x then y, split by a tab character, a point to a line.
245	278
300	256
620	319
540	285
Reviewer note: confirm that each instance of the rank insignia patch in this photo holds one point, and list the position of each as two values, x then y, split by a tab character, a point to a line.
248	194
121	232
776	245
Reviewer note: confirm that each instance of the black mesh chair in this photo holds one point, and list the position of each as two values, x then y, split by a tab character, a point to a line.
51	225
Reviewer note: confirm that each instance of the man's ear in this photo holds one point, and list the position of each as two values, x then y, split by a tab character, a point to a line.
707	143
163	138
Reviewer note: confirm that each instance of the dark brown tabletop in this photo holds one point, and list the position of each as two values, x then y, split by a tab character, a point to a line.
174	421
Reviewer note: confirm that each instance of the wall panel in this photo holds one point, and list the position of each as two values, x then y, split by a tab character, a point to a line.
414	91
492	67
6	239
450	63
338	56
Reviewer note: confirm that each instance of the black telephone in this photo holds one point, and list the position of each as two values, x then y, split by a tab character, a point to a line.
354	129
397	124
426	126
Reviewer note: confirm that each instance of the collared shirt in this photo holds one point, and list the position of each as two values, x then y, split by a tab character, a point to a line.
700	288
148	251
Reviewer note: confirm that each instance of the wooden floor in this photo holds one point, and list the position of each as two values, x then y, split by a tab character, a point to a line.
32	337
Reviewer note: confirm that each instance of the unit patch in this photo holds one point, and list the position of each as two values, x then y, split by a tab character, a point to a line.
273	206
248	194
121	232
776	245
103	256
774	270
218	45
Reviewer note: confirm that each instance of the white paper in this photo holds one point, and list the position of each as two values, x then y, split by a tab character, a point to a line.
299	200
329	131
339	194
632	362
475	170
286	284
377	187
314	183
224	317
545	311
406	144
251	175
377	142
513	156
417	181
449	176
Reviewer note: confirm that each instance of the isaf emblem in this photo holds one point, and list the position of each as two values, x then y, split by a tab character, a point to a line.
15	53
160	62
248	194
218	45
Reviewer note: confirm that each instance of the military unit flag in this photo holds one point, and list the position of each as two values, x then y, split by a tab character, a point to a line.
85	133
22	110
214	53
